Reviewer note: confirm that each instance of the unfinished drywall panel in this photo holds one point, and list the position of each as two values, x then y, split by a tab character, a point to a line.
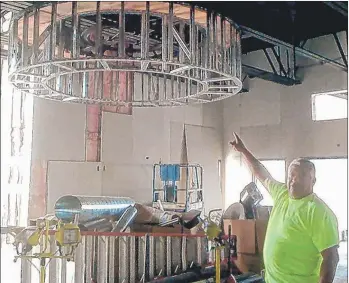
264	141
150	138
212	115
58	130
176	141
330	139
204	147
72	178
128	180
117	138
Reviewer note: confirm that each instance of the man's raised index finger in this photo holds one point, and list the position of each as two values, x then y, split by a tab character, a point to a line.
236	137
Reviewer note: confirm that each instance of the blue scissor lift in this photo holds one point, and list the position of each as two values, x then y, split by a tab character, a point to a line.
177	187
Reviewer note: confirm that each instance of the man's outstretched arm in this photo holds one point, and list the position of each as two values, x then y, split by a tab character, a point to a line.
256	167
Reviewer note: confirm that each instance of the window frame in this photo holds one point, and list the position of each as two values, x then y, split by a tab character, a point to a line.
340	94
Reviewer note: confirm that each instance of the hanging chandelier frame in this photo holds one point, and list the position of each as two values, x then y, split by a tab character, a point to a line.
186	57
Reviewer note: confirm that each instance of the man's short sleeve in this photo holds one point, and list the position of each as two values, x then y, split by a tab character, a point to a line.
277	190
324	229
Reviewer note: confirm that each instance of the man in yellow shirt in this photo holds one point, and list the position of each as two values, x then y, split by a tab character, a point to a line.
301	244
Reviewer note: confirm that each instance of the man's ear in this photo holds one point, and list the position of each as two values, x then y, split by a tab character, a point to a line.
314	181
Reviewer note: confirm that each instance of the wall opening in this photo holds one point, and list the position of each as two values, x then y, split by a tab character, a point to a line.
332	186
238	176
330	105
16	137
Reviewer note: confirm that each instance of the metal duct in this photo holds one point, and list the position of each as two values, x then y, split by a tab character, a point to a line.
89	207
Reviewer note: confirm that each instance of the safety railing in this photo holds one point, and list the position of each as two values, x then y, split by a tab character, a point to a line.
105	257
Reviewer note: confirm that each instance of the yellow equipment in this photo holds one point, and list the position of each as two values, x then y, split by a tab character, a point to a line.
67	237
213	233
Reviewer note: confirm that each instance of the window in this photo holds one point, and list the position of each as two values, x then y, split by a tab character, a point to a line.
331	186
239	176
330	105
277	169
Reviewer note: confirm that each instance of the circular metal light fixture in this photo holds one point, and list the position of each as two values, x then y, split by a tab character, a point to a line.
141	54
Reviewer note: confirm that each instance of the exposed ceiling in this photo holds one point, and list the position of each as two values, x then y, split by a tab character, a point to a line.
283	20
288	23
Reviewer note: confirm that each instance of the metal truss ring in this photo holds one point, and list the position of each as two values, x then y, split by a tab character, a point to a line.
217	87
141	54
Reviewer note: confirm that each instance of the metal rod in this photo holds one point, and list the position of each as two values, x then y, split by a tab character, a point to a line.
181	50
142	86
269	76
98	50
89	254
168	256
79	259
61	40
53	34
238	54
146	38
196	52
76	33
277	56
232	34
337	6
164	41
111	252
98	42
298	50
183	46
117	92
102	257
192	34
25	40
172	86
340	49
207	41
149	86
170	32
151	249
122	31
132	255
214	40
76	90
288	63
165	87
223	42
269	60
36	35
112	86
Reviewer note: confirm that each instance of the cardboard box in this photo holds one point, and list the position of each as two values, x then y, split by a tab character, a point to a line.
249	263
261	230
250	234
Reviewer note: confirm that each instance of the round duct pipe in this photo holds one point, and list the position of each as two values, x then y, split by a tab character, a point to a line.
90	208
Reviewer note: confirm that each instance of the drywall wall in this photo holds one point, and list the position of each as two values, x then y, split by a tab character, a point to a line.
275	121
130	146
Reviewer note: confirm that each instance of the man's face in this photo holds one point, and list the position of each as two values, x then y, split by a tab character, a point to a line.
300	180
